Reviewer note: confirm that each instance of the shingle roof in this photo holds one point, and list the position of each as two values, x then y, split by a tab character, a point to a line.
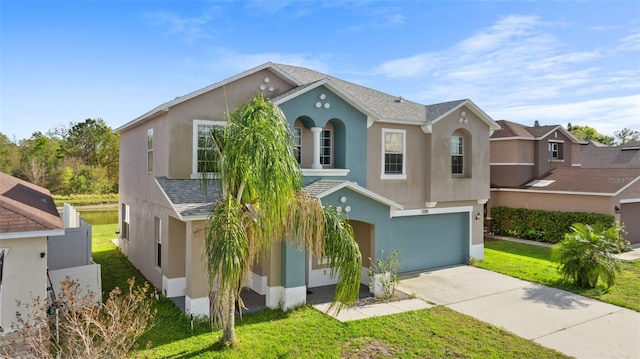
588	180
512	129
25	207
325	187
596	156
319	187
188	196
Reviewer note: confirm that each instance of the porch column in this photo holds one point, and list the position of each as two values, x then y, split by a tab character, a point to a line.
316	147
293	275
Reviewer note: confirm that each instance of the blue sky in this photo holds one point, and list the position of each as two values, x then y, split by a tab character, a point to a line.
552	61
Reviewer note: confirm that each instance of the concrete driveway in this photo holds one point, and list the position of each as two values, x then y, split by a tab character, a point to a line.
567	322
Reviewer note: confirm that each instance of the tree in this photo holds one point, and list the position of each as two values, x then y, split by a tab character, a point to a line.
585	254
589	133
87	140
39	159
9	154
261	204
627	135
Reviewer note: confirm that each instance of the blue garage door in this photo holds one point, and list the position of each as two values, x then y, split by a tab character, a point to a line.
431	241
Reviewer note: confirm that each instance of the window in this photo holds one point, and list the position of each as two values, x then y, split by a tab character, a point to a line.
124	230
204	159
297	143
150	150
157	225
394	161
457	155
325	148
555	150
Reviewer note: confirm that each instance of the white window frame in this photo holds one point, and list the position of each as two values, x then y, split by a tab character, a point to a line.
402	175
194	157
460	154
150	150
557	144
126	220
6	253
157	233
297	143
322	146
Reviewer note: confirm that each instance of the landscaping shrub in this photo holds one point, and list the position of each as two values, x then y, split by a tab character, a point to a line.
586	255
542	226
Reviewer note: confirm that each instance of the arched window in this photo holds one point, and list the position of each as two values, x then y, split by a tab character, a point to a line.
460	153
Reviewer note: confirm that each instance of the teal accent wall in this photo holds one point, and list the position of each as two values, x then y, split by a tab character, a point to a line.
366	210
293	266
350	130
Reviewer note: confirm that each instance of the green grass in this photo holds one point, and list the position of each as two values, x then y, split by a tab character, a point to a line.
85	199
533	263
307	333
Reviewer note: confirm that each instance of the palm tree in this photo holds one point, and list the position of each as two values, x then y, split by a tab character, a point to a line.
585	254
262	204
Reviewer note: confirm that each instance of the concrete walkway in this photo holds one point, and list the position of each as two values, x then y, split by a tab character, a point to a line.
567	322
374	310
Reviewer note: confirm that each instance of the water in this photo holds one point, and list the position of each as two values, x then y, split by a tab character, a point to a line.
100	217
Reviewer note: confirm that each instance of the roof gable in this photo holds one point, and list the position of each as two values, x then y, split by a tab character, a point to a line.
325	187
515	131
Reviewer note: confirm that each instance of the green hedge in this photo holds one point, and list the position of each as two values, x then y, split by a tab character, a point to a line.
541	226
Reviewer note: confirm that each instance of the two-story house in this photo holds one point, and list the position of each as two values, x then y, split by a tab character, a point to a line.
408	177
547	168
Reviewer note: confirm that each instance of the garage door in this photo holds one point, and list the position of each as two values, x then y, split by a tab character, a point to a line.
430	241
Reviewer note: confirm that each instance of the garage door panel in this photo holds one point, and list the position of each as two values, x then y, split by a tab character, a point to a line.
431	241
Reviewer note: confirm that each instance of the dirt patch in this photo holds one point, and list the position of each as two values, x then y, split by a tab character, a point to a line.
368	348
397	295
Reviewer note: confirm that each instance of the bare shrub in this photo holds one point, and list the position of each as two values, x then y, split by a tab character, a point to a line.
78	326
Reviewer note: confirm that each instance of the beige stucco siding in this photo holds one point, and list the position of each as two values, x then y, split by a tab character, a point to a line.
475	183
554	202
211	106
24	276
197	278
409	192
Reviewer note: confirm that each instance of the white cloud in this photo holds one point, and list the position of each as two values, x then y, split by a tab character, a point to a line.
630	43
605	115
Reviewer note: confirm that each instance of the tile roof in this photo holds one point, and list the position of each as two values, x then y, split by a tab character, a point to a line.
188	196
588	180
594	155
25	207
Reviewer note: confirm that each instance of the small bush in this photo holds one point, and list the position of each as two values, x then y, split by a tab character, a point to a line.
387	270
586	255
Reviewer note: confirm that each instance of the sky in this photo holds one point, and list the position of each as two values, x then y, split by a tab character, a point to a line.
557	62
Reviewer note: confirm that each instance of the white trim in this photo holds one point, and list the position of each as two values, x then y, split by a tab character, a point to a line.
476	251
273	297
430	204
256	282
403	175
320	277
361	190
45	233
482	201
512	164
630	200
576	165
194	144
557	141
196	306
285	298
324	172
428	211
513	138
293	297
174	287
552	192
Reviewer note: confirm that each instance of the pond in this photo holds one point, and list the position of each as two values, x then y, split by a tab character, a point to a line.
100	217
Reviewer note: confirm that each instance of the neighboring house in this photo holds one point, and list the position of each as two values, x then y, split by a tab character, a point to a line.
28	217
547	168
409	177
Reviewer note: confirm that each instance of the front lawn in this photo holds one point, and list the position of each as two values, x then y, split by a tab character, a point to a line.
533	263
307	333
